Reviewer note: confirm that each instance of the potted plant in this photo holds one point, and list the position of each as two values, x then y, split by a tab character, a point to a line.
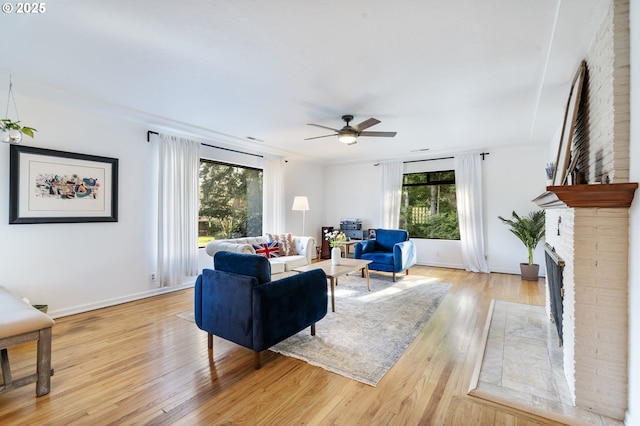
12	131
530	230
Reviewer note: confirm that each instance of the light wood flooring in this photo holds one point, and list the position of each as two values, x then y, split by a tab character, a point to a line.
139	363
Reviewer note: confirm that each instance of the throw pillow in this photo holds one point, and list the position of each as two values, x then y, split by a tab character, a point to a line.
291	248
287	248
268	250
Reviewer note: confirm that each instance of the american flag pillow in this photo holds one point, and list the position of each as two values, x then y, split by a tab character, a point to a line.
268	250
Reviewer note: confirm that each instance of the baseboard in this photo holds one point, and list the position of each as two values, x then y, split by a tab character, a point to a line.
457	266
116	301
441	265
513	272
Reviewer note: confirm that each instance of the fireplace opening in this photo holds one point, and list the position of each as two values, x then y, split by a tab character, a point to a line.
555	267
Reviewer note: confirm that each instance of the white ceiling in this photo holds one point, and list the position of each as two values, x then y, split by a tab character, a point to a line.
449	76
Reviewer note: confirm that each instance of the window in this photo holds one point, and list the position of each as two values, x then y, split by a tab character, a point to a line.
230	202
429	205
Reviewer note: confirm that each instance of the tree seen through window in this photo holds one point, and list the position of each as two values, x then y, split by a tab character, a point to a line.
230	202
428	207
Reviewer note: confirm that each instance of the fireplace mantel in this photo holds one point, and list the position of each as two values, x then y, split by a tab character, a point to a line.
594	195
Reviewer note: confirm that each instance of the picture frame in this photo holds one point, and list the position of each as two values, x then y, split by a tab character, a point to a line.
568	127
49	186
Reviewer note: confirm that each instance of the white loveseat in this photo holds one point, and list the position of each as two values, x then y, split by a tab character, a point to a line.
303	247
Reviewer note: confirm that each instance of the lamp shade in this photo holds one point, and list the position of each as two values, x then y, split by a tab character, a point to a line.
300	203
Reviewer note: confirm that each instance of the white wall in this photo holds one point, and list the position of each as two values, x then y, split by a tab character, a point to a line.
512	178
305	178
77	267
633	413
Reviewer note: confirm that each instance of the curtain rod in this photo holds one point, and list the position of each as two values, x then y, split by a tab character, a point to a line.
151	132
232	150
482	154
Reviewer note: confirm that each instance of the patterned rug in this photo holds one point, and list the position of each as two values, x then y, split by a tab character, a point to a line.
369	330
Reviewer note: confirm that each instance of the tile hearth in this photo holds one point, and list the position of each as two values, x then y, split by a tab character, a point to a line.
522	366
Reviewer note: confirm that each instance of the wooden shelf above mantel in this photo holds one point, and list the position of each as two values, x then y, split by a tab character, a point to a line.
594	195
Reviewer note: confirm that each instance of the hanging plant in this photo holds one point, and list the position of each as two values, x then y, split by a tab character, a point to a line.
11	131
15	125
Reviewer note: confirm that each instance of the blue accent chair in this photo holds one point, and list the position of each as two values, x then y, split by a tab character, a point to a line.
391	251
238	302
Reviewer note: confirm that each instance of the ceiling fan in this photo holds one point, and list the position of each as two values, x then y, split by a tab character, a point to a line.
349	134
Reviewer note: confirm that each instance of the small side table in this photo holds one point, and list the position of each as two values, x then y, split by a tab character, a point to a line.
347	246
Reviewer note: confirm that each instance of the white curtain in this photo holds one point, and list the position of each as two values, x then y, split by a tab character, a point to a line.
178	199
391	184
273	208
468	168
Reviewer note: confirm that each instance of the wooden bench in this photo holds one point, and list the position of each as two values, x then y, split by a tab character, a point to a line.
21	323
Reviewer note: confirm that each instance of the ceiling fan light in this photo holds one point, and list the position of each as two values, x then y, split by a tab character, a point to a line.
347	138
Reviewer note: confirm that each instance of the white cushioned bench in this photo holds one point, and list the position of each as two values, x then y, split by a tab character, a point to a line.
21	323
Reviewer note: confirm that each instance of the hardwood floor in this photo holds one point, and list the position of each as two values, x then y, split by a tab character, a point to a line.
139	363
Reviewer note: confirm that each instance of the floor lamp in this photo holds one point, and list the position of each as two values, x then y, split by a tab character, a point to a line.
301	204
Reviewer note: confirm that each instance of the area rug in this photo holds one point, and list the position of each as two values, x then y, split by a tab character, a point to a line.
368	331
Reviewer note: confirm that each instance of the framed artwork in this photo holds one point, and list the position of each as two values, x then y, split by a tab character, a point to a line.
47	186
568	127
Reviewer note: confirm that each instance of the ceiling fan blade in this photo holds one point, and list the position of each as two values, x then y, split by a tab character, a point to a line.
323	127
366	124
318	137
379	134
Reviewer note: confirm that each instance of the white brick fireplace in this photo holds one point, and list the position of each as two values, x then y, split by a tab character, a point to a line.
588	226
593	242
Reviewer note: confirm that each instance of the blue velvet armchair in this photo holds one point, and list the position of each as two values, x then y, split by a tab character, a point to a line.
238	302
391	251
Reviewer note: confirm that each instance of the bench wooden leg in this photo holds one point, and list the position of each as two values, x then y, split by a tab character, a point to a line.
313	329
43	385
6	368
210	340
256	360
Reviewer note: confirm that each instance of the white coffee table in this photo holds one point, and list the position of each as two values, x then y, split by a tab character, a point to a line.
335	271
